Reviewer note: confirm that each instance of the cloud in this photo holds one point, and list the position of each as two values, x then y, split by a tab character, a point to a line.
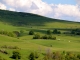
61	11
66	10
2	6
12	9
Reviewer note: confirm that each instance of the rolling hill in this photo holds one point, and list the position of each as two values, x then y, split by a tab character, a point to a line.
15	21
29	19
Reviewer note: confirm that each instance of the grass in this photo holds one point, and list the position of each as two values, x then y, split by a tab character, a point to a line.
28	46
12	21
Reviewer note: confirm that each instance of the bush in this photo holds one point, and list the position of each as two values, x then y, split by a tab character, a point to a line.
55	31
36	36
48	32
45	37
78	56
11	34
31	56
31	32
16	33
50	37
54	38
21	32
16	55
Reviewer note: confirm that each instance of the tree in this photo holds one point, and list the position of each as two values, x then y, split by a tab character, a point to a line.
55	31
49	32
16	55
17	33
21	32
11	34
31	56
36	36
31	32
45	37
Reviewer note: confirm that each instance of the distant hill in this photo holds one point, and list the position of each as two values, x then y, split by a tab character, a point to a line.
29	19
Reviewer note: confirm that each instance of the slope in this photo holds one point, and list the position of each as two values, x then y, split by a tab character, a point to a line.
29	19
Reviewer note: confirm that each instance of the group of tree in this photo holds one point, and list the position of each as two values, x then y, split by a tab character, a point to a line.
61	56
37	36
12	34
56	56
33	56
55	31
49	55
49	32
75	31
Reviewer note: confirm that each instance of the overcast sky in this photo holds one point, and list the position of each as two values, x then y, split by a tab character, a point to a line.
59	9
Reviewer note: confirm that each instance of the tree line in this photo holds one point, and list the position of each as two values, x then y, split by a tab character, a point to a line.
48	55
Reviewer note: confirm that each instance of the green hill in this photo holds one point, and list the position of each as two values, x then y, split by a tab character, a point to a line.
29	19
16	21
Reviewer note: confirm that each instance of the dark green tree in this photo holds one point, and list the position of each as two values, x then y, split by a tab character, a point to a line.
49	32
36	36
16	55
31	32
45	37
31	56
55	31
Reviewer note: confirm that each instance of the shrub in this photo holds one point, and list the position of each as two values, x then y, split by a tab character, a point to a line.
21	32
3	51
11	34
55	31
31	56
48	32
54	38
17	33
45	37
31	32
36	36
78	56
50	37
16	55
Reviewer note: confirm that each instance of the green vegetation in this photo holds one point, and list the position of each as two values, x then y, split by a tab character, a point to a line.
16	55
37	37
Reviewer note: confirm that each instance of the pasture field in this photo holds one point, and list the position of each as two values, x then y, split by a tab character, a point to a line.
17	21
31	45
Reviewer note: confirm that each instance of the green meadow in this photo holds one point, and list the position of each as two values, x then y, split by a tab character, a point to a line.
16	21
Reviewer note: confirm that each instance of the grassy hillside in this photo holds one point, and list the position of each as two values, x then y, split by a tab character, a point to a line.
16	21
28	19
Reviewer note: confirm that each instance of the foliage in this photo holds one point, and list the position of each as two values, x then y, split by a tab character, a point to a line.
36	36
21	32
49	32
31	32
11	34
16	55
75	31
61	56
45	37
55	31
17	33
31	56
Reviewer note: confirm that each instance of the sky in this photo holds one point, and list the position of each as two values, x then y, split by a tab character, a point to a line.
59	9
